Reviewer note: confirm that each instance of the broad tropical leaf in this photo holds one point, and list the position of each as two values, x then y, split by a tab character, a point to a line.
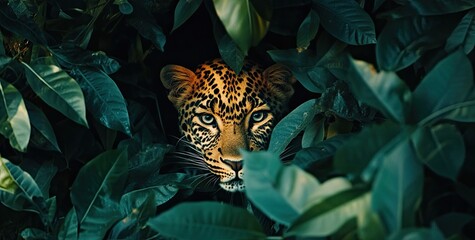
346	21
291	125
282	193
308	30
439	7
96	192
437	95
72	57
103	99
27	195
383	91
69	228
14	119
184	9
404	40
464	34
326	217
7	181
228	49
441	148
397	189
20	24
243	20
39	121
57	89
207	220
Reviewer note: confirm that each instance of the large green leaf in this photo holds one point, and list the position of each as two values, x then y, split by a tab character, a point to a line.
282	193
439	7
301	63
373	143
146	25
162	188
437	95
96	192
326	217
404	40
20	24
14	120
244	21
291	125
44	175
321	151
69	228
57	89
314	133
308	30
184	9
228	49
103	98
383	91
137	215
441	148
346	21
45	139
464	34
397	189
73	56
27	195
7	181
207	220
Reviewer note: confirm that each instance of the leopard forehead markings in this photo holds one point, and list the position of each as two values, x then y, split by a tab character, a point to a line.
241	111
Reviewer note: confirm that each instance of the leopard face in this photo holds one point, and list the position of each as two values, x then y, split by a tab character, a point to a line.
221	113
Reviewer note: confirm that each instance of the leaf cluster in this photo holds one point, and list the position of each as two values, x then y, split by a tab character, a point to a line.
381	133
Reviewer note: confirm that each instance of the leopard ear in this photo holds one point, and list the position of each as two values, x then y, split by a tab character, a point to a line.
178	80
279	80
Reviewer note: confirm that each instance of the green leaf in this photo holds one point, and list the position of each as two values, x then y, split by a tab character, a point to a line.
416	234
308	30
403	41
103	99
439	7
44	176
144	22
441	148
326	217
346	21
451	224
314	133
373	143
27	196
291	125
321	151
46	138
57	89
383	91
397	189
282	193
96	192
463	35
228	49
163	188
183	11
136	219
22	25
207	220
243	21
301	63
73	56
14	120
34	233
69	228
437	95
7	181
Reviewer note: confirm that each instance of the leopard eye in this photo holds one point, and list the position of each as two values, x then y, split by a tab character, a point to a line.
207	119
258	116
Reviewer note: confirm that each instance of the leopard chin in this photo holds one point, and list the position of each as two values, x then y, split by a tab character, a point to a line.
233	186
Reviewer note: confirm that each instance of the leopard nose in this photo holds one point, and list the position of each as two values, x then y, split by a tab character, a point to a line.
235	165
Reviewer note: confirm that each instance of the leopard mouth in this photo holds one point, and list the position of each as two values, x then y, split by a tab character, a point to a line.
233	186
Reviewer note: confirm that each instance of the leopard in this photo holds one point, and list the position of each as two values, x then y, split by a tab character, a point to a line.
221	112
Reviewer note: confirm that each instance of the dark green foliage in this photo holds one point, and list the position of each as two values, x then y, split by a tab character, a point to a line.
378	142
